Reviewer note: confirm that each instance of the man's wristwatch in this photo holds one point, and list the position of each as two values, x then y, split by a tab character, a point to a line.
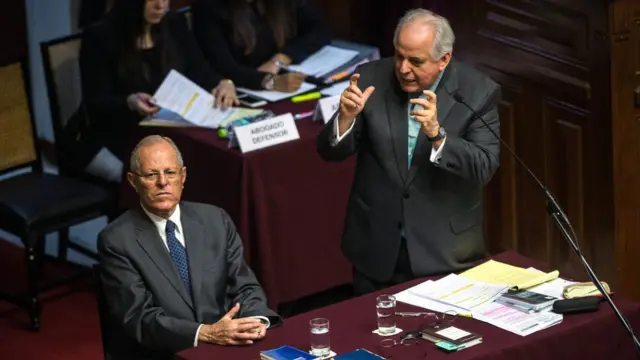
268	82
441	135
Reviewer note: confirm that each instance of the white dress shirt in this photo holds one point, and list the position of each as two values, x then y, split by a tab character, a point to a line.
161	224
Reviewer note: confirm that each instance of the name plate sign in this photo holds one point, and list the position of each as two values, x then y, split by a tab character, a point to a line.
262	134
326	107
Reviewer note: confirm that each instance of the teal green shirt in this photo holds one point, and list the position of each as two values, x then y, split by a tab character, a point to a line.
414	126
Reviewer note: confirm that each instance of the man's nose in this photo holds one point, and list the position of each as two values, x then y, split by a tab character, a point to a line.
404	67
162	180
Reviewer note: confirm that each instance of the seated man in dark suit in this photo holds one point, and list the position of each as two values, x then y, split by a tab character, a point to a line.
173	272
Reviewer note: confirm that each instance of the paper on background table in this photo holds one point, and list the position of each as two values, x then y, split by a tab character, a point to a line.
495	272
335	89
273	96
458	292
515	321
181	96
324	60
553	288
160	120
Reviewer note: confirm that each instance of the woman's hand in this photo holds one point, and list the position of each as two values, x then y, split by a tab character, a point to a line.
141	103
288	82
225	94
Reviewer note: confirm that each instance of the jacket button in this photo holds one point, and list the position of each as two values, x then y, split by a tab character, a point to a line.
399	224
405	195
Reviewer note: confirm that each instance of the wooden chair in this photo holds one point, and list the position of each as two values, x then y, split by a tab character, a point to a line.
35	203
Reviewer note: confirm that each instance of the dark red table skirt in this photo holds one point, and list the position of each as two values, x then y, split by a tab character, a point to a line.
591	336
288	204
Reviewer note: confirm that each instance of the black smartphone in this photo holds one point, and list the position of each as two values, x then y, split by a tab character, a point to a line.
251	101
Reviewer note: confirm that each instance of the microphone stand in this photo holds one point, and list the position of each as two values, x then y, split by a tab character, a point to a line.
563	224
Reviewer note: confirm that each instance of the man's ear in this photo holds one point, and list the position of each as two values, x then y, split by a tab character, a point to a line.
444	61
131	180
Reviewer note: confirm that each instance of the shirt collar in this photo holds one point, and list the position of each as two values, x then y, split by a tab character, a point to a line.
161	223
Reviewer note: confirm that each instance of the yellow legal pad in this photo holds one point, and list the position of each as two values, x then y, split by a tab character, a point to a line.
495	272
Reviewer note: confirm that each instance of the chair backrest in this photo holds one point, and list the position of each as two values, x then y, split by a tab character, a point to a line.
61	61
103	313
18	144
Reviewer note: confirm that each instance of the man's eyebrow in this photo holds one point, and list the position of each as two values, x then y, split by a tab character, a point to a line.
416	59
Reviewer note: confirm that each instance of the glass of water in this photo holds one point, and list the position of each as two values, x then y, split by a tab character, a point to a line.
320	344
386	310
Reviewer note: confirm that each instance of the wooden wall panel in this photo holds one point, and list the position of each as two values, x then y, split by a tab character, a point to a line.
625	82
553	53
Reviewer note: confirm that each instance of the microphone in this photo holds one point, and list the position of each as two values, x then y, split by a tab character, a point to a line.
561	220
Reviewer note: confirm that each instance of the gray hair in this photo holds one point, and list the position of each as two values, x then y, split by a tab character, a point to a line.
134	161
443	38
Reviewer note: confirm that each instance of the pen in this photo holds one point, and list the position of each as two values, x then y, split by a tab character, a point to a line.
303	115
466	315
306	97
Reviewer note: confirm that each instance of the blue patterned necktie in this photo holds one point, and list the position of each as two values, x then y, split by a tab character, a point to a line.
178	254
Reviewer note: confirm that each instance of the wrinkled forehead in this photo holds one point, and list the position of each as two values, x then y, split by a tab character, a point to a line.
415	40
159	156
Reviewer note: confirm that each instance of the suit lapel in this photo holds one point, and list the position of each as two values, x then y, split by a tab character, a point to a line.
445	101
194	240
397	116
150	241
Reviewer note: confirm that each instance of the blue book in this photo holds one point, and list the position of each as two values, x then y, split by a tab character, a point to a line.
360	354
285	353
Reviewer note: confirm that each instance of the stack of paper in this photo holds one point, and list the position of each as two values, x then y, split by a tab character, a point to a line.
452	292
325	61
517	278
272	95
182	101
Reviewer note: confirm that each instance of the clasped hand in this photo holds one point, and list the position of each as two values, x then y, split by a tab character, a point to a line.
230	331
225	94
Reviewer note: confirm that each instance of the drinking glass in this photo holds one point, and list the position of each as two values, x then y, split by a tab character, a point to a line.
320	342
386	312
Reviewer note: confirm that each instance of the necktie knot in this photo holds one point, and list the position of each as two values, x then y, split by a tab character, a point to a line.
170	227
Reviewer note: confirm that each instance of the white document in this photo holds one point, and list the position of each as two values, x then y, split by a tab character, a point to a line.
179	97
409	296
325	61
274	96
335	89
458	293
515	321
553	288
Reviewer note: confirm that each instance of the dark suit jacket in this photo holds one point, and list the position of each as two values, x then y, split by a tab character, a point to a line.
144	292
438	206
213	27
105	90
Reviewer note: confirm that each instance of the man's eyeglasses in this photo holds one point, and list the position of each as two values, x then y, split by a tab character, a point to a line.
409	339
170	174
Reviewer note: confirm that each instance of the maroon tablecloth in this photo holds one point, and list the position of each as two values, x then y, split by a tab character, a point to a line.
288	204
591	336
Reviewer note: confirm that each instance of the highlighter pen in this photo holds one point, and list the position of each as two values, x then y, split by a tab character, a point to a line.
465	315
306	97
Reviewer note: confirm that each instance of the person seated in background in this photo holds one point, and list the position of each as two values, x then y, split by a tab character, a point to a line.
173	272
249	41
123	60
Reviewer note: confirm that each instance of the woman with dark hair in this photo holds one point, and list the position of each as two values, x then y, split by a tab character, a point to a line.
125	59
250	40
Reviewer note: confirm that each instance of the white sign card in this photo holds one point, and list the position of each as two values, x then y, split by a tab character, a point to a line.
326	107
262	134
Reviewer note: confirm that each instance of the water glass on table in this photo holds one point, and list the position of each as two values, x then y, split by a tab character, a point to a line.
386	310
320	343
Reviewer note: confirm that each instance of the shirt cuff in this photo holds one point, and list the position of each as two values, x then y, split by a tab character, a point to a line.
437	154
195	341
264	319
337	137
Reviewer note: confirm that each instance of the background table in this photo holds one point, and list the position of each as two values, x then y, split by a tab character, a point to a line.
592	336
288	204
